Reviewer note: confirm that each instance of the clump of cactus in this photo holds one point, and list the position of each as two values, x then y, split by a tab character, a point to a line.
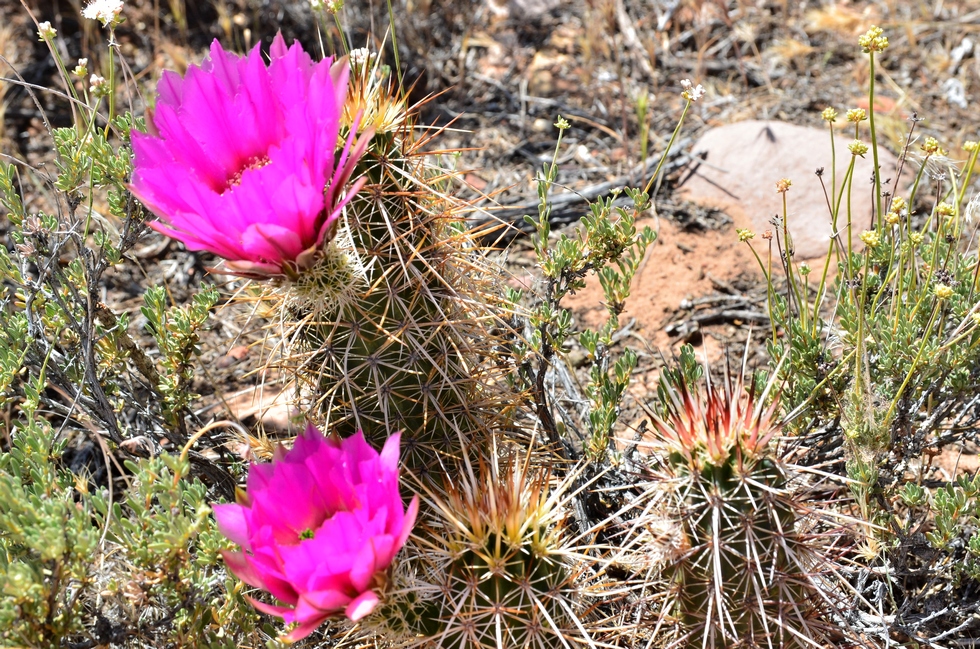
743	572
490	568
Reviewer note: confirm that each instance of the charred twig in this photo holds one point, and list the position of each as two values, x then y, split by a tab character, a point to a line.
715	317
570	206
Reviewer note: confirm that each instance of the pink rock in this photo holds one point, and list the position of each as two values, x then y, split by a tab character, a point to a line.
744	160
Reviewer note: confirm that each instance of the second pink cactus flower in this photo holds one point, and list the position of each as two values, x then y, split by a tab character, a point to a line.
320	527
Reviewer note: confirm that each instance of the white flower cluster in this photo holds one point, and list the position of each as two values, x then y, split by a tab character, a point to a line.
359	56
691	92
105	11
45	31
972	209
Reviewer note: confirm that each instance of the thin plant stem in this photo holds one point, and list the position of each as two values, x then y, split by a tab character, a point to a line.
800	305
897	300
874	142
112	80
915	362
769	288
850	244
394	42
663	158
340	30
859	342
840	197
821	289
833	162
968	175
891	271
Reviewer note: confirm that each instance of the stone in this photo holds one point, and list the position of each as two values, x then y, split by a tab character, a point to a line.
270	406
743	161
531	9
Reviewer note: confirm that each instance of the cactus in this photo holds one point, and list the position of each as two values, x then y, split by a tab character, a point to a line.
490	569
743	573
391	330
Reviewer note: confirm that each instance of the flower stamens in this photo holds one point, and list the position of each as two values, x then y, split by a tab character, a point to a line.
255	162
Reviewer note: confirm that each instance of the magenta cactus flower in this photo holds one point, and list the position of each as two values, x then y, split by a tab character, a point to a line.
320	525
241	157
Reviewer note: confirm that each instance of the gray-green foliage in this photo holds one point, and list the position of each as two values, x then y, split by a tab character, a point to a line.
166	534
46	545
608	244
884	354
145	563
176	331
955	512
120	551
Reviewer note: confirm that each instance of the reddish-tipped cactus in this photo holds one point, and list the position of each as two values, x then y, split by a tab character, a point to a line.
743	573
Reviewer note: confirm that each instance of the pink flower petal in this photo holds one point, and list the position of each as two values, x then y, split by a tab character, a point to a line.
304	629
269	609
364	524
241	568
389	454
408	522
362	605
270	242
320	602
364	566
170	88
232	523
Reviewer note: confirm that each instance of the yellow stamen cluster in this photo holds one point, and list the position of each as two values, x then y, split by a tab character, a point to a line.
943	291
871	238
945	209
894	215
856	115
857	147
931	147
783	185
970	146
371	93
744	234
829	115
873	40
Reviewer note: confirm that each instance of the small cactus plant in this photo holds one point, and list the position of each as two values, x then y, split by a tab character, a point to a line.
743	573
491	568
